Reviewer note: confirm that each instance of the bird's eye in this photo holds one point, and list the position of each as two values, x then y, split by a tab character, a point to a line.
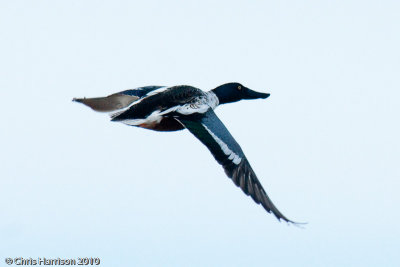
239	87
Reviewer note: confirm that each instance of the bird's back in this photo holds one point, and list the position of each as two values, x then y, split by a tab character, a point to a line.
160	102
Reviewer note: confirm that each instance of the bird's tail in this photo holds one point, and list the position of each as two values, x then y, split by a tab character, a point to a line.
111	104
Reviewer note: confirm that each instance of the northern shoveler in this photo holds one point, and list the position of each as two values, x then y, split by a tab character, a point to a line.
163	108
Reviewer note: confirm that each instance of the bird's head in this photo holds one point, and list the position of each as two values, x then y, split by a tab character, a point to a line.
233	92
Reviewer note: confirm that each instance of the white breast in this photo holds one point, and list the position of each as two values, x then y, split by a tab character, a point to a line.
203	103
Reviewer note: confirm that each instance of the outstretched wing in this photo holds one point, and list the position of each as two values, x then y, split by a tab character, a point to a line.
209	129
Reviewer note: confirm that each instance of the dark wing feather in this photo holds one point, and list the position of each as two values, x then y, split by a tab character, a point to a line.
214	135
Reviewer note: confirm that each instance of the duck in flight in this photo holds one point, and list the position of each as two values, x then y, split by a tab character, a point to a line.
163	108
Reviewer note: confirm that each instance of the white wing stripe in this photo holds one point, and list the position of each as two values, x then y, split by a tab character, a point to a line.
154	117
157	91
232	155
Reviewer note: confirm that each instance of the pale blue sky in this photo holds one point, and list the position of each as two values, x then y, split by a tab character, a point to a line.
325	145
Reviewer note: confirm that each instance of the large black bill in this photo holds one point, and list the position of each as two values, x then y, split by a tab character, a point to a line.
250	94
